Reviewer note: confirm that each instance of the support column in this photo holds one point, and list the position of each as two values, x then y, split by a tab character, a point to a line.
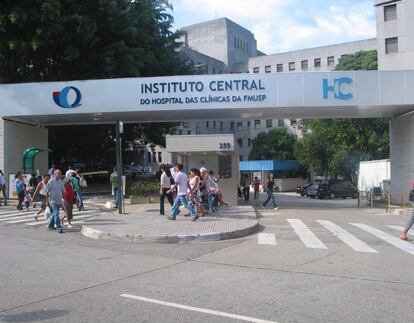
15	138
402	153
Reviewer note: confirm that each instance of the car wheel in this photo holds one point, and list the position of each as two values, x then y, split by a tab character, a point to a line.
312	197
332	195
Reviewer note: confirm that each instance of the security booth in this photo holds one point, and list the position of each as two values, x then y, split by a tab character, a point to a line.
214	152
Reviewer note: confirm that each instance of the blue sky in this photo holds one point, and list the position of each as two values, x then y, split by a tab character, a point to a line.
284	25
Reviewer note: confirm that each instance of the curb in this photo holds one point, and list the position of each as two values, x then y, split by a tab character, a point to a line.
92	233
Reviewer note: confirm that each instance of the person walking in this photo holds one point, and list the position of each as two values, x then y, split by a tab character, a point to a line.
194	193
165	185
82	185
410	221
27	199
246	187
114	183
55	190
3	187
32	186
41	190
181	182
20	190
269	186
256	187
68	200
75	186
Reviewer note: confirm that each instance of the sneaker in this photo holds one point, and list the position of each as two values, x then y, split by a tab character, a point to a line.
60	230
276	208
195	218
171	218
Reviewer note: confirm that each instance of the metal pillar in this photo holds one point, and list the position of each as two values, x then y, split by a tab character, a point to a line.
118	131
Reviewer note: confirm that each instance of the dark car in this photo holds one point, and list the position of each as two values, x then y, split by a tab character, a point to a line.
333	189
302	190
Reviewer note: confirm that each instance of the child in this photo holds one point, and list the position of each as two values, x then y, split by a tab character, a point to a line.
256	186
27	199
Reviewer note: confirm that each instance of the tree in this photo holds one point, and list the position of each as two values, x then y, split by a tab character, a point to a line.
276	144
335	147
362	60
53	40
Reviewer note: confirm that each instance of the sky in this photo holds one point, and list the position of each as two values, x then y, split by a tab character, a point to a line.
285	25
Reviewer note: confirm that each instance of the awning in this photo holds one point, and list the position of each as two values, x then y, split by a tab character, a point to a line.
268	165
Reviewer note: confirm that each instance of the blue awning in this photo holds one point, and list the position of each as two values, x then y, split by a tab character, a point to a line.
268	165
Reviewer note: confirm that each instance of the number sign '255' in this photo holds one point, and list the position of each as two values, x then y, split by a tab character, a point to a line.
224	145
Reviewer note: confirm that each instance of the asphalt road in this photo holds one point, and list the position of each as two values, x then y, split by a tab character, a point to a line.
313	261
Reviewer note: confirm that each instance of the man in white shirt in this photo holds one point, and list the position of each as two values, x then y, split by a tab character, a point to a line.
181	181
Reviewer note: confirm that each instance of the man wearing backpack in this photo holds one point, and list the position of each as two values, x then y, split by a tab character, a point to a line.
410	222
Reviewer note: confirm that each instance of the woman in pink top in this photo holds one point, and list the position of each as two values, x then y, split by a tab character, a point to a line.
409	224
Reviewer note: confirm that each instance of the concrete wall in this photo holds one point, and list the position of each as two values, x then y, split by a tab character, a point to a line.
310	54
15	139
401	27
402	153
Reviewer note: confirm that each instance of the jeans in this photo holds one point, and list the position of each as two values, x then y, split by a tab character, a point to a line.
246	193
79	199
55	219
162	199
20	196
256	194
410	221
212	200
3	191
116	197
182	199
270	196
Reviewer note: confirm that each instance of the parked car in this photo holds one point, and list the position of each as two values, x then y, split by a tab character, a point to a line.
302	190
333	189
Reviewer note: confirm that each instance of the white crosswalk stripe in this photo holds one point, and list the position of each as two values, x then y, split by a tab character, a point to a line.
266	239
347	237
9	215
309	239
399	228
395	241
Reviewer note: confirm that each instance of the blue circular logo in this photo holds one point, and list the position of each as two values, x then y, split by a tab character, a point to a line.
61	98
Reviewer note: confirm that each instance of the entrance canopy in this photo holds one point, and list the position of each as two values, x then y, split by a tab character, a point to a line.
29	156
358	94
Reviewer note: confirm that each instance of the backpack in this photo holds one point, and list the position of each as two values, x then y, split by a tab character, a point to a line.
82	182
411	196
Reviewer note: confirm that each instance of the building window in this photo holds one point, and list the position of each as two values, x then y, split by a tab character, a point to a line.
160	157
331	61
268	69
291	66
240	142
239	125
304	65
221	125
279	68
248	124
149	158
249	142
154	157
235	42
224	166
391	45
232	125
188	132
280	123
256	70
256	124
317	62
214	124
390	12
214	70
241	158
269	123
180	132
238	43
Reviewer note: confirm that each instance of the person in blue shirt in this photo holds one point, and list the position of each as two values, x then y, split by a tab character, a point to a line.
20	190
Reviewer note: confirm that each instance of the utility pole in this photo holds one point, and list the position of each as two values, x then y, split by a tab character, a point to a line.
119	129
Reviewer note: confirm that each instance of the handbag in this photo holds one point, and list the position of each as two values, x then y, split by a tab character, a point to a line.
48	212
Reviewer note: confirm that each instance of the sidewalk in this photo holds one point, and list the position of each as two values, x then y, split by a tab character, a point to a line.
143	223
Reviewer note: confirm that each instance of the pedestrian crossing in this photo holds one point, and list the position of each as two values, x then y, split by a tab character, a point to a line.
311	240
11	216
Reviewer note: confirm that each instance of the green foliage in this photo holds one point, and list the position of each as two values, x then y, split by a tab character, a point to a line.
362	60
73	39
336	146
277	144
143	188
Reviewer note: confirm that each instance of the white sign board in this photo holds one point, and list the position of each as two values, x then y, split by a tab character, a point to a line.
12	184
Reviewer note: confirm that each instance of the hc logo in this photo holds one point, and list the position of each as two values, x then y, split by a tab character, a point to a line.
336	88
61	98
